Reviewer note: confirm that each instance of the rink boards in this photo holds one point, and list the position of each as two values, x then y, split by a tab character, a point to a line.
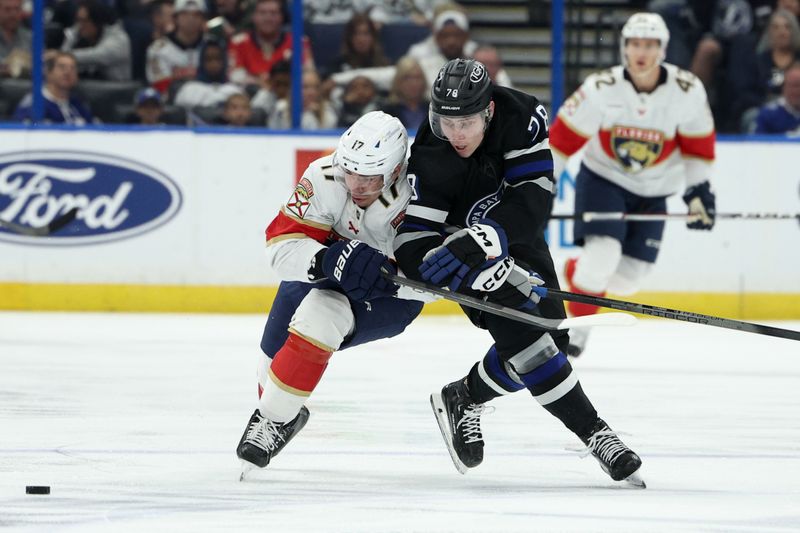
174	221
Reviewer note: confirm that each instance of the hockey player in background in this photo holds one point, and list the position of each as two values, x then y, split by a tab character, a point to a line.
328	244
483	188
649	128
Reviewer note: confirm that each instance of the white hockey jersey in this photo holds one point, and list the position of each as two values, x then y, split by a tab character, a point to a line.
647	143
168	60
320	209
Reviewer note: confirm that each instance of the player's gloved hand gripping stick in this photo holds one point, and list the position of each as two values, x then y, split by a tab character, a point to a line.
357	268
703	204
477	258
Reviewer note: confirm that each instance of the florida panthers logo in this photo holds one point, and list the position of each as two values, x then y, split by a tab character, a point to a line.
636	149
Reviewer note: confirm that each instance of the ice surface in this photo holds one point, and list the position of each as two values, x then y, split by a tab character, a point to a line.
133	421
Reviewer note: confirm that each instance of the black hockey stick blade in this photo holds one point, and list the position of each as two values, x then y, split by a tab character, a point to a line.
41	231
605	319
675	314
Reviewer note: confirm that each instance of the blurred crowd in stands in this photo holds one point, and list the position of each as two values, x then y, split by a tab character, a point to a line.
227	62
746	52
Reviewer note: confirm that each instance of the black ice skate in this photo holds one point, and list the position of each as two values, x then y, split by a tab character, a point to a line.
616	459
263	439
459	420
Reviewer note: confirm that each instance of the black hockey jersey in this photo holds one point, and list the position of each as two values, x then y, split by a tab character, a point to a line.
508	179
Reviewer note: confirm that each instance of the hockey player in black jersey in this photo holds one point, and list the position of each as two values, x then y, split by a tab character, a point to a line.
483	183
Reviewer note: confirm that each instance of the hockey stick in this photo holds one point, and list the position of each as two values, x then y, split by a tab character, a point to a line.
674	314
40	231
605	319
590	216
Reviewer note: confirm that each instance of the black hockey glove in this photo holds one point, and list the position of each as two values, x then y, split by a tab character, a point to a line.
521	290
475	257
356	267
701	202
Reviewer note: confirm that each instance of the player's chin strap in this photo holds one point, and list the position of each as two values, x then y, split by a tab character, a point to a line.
614	318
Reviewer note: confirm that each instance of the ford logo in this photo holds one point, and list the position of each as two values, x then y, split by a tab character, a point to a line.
116	198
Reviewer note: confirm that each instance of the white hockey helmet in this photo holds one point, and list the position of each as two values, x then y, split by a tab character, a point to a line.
374	145
644	26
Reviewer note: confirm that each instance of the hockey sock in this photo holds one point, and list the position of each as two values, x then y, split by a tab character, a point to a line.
555	386
491	378
294	373
576	308
262	372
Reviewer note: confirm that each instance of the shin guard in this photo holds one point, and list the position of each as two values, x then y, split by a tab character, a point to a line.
294	373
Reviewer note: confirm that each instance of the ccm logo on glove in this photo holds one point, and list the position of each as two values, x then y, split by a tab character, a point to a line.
491	278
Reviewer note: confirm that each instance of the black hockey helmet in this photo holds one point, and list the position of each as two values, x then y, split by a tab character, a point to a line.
462	88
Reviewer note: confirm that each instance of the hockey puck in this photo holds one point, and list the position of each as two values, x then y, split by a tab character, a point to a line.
37	489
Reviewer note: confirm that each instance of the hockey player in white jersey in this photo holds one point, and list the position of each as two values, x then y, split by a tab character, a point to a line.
650	132
328	244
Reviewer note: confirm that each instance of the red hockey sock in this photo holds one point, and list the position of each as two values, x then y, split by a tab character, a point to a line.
576	308
299	365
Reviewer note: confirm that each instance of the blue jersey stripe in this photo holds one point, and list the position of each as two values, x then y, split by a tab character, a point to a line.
528	168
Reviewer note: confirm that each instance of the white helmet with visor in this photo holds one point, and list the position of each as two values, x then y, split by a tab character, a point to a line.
645	26
375	145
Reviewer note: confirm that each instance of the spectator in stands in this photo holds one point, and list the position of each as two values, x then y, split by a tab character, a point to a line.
277	88
162	17
318	113
778	49
176	56
360	97
361	47
230	20
99	43
237	111
60	105
15	41
408	98
149	108
757	77
730	19
687	23
490	57
211	86
332	11
450	40
252	54
420	12
783	115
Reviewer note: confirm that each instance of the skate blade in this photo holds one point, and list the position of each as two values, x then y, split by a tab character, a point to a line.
246	469
635	480
444	427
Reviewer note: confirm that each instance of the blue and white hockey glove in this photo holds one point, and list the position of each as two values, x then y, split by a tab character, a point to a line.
522	289
701	202
356	267
477	255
